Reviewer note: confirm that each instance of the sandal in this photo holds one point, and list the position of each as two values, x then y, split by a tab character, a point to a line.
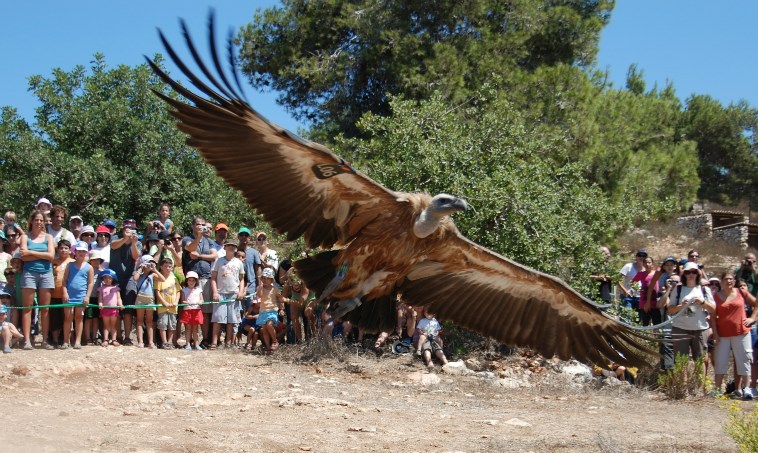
77	346
151	346
275	346
115	343
65	346
127	342
140	345
168	346
104	344
28	347
212	347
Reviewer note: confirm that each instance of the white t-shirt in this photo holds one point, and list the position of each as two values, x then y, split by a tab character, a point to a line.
629	271
228	274
61	234
105	255
429	326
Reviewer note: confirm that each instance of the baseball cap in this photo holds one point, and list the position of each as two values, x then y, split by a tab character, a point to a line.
690	266
110	223
641	252
74	217
145	259
192	274
221	226
230	242
669	258
129	223
244	230
267	272
260	233
81	245
108	272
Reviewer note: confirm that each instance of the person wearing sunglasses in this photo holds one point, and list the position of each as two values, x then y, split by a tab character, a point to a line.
697	301
103	245
630	293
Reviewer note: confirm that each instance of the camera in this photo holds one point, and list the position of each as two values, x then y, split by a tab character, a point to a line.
205	228
167	242
671	281
156	225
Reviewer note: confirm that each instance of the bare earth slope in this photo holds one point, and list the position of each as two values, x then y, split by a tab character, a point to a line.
128	399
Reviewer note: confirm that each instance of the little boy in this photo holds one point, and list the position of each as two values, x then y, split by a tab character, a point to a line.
227	283
56	315
8	330
271	307
168	297
79	279
429	341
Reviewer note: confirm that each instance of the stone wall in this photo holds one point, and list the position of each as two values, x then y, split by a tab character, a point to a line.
732	234
700	225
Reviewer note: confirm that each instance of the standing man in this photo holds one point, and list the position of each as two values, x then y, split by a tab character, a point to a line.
604	280
75	224
222	231
747	273
55	229
253	263
125	250
629	293
197	256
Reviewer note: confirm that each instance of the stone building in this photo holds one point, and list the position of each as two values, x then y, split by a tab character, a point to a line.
729	226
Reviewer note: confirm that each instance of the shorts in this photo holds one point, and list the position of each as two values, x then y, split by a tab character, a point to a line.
431	345
166	321
743	355
144	299
192	317
37	280
226	313
109	312
266	316
246	324
92	311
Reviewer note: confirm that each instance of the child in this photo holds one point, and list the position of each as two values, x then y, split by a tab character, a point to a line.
298	294
109	301
8	330
192	316
168	298
247	326
56	315
164	211
92	312
271	307
429	341
144	274
227	283
80	279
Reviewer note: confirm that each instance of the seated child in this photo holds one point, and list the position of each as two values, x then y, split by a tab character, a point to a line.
9	331
271	307
429	340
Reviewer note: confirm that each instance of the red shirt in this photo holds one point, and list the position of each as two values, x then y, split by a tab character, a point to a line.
730	316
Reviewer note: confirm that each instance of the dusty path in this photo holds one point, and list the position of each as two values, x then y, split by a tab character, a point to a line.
129	399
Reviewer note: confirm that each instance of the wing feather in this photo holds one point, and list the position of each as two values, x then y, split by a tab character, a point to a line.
274	169
486	292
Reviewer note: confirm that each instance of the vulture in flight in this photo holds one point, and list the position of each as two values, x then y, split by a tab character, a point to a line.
377	243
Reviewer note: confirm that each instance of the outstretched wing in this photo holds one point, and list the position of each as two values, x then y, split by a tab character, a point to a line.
299	187
483	291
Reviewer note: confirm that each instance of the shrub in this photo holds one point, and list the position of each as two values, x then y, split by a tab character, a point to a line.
684	379
742	426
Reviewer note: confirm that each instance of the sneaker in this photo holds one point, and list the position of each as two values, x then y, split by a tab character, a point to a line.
7	350
738	394
198	348
188	348
747	394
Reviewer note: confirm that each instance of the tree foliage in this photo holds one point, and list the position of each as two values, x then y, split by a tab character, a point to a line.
103	145
334	60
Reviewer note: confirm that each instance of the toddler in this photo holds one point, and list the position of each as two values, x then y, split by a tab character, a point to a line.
109	301
192	316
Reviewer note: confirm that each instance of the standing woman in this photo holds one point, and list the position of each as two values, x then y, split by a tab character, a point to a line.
696	301
37	253
731	333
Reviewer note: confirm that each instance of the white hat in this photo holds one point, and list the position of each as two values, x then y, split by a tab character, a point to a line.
76	216
192	274
145	259
690	266
43	200
267	272
95	255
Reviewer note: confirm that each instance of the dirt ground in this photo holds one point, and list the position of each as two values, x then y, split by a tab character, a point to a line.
140	400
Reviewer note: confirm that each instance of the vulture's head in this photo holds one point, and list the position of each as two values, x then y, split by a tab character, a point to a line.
440	207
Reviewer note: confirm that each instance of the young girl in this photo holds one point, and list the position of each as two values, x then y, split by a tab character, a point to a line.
192	316
167	296
109	301
80	279
143	275
298	294
164	211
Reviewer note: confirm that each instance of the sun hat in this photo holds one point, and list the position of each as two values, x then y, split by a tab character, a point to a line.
81	245
108	273
95	255
268	273
146	259
87	229
230	242
690	266
43	200
103	229
192	274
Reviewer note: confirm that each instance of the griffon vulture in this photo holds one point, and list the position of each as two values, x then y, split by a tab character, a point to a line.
379	242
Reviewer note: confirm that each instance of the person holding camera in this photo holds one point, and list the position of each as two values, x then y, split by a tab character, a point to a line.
697	301
125	250
197	256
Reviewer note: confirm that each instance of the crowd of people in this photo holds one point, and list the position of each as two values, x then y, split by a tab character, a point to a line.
68	285
709	316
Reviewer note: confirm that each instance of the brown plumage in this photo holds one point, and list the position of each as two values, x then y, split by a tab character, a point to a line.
385	242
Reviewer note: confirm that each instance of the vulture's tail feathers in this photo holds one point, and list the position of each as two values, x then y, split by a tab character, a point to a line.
376	315
317	271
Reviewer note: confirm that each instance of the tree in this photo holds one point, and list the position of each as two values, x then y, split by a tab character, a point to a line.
334	60
104	145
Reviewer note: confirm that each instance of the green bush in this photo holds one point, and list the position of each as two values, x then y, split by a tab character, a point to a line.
742	426
684	379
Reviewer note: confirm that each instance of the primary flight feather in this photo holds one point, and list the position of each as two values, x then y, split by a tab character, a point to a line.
382	242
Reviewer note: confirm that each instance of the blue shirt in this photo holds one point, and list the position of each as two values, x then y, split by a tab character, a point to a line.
78	280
